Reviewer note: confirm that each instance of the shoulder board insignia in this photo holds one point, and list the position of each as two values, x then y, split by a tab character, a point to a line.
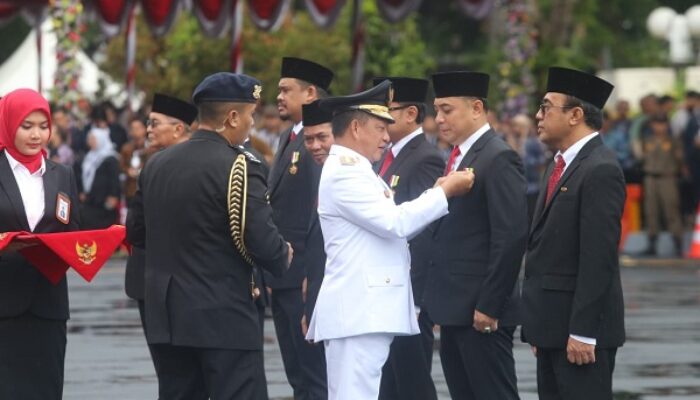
348	160
251	157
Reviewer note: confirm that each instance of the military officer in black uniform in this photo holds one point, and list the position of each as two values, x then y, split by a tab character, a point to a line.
409	167
293	183
134	278
205	222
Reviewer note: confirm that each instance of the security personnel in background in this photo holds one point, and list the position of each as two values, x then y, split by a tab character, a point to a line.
366	297
167	113
205	222
477	249
293	183
662	163
410	166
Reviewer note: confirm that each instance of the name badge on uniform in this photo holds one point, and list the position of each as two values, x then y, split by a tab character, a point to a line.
63	208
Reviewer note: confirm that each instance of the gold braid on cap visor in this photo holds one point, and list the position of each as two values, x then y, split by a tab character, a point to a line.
374	109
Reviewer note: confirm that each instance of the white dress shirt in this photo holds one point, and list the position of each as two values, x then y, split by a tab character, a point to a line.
467	144
396	147
298	127
31	187
569	156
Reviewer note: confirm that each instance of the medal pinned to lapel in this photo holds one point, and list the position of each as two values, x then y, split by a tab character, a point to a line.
63	208
295	159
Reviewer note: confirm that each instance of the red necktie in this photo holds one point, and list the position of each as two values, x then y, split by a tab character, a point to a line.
554	178
292	135
387	161
451	161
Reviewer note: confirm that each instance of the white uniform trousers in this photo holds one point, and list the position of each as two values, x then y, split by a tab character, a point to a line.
354	365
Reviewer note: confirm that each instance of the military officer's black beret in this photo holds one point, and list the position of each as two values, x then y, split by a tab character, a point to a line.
309	71
312	114
227	87
373	101
581	85
174	107
461	84
406	90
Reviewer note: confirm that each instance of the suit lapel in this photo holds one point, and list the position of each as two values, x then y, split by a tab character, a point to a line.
9	185
284	158
468	160
539	207
404	155
580	157
50	195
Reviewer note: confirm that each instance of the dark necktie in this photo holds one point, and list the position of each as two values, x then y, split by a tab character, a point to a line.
554	178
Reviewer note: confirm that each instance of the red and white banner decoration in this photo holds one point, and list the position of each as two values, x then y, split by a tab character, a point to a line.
160	14
477	9
396	10
324	13
358	46
131	55
268	14
213	15
111	14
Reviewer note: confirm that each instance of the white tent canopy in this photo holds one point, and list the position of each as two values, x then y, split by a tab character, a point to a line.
21	69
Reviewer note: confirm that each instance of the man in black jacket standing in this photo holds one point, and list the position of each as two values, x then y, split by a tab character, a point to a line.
573	311
477	248
205	222
409	167
293	183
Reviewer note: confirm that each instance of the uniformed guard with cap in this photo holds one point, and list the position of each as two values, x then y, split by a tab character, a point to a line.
168	124
573	312
366	297
477	249
205	222
410	166
293	182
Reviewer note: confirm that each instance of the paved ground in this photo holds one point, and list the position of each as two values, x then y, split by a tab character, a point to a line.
107	357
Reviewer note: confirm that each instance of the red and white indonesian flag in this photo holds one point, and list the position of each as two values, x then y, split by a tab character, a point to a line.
52	253
268	14
396	10
324	13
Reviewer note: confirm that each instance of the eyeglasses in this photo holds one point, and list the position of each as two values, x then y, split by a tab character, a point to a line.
545	107
155	123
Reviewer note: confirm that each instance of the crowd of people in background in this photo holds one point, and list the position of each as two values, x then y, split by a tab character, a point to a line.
658	148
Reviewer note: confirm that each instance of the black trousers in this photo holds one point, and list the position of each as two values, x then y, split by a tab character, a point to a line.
142	315
406	374
32	354
304	363
478	366
558	379
190	373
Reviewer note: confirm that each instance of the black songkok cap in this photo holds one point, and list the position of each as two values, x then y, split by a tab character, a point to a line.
461	84
312	114
406	90
174	107
308	71
227	87
373	101
579	84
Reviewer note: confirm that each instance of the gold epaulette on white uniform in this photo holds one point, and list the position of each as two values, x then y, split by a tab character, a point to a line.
348	160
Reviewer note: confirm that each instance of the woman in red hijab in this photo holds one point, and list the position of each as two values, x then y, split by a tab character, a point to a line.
36	195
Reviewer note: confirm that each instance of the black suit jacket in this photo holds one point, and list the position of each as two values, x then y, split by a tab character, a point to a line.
22	287
293	197
572	276
477	248
417	166
314	263
197	283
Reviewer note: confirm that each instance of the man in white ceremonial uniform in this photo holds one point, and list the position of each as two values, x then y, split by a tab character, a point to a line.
366	297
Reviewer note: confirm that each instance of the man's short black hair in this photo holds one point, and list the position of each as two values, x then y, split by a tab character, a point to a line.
592	115
420	116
